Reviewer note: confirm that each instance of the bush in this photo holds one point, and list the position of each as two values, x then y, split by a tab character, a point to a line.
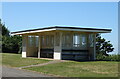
11	44
108	58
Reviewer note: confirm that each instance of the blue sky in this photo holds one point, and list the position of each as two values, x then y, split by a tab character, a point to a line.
29	15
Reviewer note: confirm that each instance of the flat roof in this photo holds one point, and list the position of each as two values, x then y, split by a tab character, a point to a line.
60	28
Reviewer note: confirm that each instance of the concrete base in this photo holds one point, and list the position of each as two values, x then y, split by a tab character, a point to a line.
57	55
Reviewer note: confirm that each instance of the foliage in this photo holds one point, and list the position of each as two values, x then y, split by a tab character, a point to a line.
101	57
102	46
5	31
9	43
0	43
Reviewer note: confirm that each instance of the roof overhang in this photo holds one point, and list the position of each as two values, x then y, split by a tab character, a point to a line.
58	28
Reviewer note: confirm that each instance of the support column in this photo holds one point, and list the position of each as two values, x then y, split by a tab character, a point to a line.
94	54
24	45
57	45
39	46
92	46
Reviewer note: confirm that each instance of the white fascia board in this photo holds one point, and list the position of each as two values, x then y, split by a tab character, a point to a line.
81	30
35	31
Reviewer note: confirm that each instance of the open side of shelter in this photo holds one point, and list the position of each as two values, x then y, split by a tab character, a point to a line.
62	43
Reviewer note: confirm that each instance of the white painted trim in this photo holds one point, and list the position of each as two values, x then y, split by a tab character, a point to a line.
35	31
61	29
81	30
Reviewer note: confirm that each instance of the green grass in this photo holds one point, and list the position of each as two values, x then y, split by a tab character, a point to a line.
64	69
80	69
16	60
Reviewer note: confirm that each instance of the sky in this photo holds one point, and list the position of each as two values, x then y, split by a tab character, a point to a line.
31	15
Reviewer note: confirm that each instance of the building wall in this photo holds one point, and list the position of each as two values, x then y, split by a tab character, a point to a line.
75	46
61	45
30	47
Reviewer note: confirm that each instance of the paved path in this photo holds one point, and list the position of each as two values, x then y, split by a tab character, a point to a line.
13	72
50	62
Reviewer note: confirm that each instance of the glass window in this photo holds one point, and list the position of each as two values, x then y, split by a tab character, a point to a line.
31	41
37	41
84	40
57	41
76	40
91	41
66	40
63	40
47	41
43	40
52	40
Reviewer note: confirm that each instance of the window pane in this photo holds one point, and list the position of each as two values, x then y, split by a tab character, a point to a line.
57	41
43	40
84	40
37	41
76	40
31	40
91	40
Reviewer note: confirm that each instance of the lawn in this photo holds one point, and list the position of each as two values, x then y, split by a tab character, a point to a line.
80	69
16	60
64	69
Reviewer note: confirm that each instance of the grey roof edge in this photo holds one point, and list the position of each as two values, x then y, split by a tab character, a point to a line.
53	27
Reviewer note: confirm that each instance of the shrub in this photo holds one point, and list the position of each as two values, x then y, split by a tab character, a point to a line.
11	44
108	58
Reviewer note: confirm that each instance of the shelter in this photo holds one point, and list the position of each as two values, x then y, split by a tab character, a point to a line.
71	43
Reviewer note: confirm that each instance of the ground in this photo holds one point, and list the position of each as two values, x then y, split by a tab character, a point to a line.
64	69
16	60
14	72
80	69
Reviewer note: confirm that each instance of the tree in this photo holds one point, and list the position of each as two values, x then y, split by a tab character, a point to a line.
10	44
102	46
5	31
0	36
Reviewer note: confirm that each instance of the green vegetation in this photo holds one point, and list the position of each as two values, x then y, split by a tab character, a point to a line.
108	58
11	44
16	60
65	69
80	69
103	47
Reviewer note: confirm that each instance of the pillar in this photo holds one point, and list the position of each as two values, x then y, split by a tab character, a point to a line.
92	46
94	53
39	46
24	45
57	45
